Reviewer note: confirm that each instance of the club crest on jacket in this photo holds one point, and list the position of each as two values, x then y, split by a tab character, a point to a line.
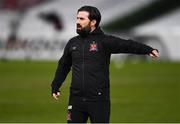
93	46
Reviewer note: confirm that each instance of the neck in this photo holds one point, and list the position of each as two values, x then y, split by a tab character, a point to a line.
93	28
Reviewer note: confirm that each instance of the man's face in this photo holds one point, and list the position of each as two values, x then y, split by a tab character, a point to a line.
82	20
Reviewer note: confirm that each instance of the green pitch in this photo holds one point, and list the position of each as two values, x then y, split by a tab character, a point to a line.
142	92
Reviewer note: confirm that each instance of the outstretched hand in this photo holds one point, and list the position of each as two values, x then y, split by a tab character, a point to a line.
154	53
56	95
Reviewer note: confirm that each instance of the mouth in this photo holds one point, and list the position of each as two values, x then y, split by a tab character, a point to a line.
79	26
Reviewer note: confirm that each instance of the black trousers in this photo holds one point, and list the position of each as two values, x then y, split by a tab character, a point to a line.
97	111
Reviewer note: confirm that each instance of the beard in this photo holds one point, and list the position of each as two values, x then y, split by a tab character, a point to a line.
83	31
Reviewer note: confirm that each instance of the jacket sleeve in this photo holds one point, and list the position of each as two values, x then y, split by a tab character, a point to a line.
63	68
117	45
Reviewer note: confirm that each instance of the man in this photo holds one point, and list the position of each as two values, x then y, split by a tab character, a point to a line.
89	55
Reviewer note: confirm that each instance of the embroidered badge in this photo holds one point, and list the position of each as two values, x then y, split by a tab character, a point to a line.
93	46
69	113
69	116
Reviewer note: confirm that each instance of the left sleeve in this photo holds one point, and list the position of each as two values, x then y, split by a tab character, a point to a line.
117	45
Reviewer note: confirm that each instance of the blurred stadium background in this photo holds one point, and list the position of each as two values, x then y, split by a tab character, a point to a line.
33	34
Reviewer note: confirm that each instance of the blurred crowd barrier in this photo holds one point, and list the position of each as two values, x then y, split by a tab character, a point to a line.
31	49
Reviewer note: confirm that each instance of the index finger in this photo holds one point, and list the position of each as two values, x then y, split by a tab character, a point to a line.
55	96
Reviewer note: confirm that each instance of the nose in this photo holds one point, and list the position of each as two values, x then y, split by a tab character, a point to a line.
77	21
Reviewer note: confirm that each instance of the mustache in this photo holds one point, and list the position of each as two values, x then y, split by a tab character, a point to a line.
79	26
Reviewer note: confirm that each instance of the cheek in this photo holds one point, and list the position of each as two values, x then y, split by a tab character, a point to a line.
85	23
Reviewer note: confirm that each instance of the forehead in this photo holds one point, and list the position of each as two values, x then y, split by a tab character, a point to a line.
83	14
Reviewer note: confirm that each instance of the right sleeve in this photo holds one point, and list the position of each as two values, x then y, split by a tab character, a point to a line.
63	68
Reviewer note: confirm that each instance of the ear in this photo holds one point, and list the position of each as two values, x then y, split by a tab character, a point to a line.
93	23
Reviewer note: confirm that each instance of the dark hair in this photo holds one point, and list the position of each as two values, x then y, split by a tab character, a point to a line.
94	13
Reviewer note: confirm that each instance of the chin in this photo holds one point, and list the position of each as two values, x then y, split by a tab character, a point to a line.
78	31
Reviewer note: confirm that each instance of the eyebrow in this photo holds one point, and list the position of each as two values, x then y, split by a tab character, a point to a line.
80	18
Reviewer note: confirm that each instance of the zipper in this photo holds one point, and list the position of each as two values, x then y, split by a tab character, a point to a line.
83	85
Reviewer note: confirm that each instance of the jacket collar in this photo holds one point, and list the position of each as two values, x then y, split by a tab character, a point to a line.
97	31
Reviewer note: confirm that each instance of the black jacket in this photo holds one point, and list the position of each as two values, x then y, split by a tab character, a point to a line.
90	59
